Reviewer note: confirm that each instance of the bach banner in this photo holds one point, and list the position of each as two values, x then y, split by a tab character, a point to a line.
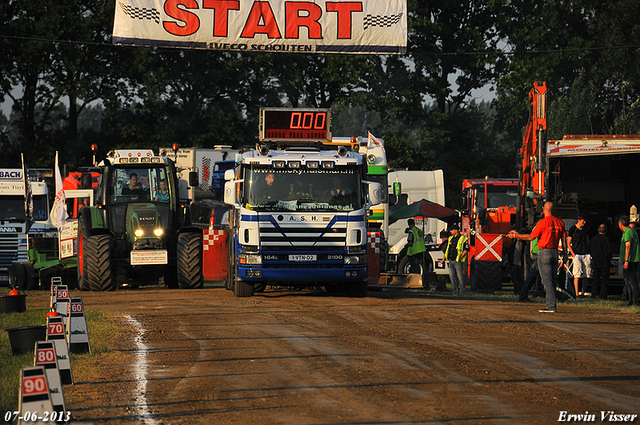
318	26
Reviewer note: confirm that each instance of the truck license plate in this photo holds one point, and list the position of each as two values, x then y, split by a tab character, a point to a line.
302	257
145	258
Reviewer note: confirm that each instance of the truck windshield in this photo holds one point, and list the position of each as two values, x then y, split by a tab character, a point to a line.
12	208
268	189
503	198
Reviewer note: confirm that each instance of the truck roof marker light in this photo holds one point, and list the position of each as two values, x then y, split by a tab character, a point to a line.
328	165
313	164
279	164
294	164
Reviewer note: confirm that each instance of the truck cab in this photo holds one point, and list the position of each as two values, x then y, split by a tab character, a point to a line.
300	208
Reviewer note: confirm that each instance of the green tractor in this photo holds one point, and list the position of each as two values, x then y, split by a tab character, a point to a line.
140	226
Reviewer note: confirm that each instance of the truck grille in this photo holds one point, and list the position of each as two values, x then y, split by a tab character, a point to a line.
13	247
298	236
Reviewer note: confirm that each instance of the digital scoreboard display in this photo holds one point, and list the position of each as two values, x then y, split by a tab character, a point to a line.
295	124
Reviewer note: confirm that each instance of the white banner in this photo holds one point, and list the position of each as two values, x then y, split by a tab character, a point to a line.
59	206
318	26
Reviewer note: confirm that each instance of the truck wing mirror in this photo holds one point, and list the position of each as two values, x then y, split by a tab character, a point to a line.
482	215
374	192
229	174
230	193
465	200
193	179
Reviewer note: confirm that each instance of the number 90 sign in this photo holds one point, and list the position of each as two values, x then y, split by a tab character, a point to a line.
34	385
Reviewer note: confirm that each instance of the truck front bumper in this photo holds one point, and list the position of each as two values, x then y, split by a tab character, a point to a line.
302	274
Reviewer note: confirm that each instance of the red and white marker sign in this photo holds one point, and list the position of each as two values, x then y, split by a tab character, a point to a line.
489	247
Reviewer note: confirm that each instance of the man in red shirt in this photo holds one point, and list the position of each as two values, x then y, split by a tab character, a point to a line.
549	231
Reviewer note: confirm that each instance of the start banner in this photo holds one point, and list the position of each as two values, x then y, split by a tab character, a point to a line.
318	26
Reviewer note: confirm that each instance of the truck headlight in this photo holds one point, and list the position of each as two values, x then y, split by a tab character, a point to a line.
250	259
353	260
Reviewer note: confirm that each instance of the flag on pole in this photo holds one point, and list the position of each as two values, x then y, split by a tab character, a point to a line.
59	203
28	197
373	142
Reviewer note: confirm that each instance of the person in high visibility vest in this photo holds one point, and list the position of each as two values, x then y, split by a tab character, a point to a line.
415	244
456	254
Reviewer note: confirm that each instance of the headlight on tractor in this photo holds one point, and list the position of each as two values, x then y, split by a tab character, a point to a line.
158	232
139	233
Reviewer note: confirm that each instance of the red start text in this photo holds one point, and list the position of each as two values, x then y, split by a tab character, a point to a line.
261	19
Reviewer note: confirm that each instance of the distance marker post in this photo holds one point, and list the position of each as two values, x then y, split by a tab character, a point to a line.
46	356
62	299
56	334
55	281
77	332
35	401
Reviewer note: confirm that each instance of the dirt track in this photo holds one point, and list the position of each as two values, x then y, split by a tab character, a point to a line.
203	356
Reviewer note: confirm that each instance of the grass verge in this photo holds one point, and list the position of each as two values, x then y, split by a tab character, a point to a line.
105	334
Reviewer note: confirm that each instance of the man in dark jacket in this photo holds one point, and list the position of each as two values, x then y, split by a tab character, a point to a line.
600	263
578	241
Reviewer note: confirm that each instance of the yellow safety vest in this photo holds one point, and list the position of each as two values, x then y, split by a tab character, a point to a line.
460	247
418	242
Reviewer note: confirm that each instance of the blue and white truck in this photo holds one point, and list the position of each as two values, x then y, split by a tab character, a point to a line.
300	216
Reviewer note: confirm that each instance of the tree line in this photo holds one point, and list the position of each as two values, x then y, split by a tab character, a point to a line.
71	87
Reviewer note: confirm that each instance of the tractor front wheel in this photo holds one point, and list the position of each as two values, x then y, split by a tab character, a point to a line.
190	261
98	272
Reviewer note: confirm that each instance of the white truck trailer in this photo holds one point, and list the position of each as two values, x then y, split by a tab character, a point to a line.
415	185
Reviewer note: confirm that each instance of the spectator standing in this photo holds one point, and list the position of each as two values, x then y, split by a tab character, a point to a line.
600	263
515	256
415	244
625	296
533	274
549	231
456	253
578	243
630	255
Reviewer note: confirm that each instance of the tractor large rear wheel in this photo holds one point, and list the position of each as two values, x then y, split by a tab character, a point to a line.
98	272
190	260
